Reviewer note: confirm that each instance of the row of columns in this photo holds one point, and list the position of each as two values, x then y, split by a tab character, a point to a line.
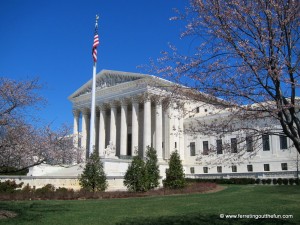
123	126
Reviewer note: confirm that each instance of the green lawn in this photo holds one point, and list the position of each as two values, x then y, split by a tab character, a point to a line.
180	209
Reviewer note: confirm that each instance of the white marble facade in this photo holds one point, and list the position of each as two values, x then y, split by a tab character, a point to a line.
132	113
129	116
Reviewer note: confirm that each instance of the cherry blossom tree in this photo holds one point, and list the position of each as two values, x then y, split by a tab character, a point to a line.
22	145
244	55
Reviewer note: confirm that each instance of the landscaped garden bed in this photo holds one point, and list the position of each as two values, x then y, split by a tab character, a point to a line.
11	192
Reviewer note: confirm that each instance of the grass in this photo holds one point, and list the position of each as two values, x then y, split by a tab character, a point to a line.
164	210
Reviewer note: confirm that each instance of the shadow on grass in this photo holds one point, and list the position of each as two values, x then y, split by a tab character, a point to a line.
201	219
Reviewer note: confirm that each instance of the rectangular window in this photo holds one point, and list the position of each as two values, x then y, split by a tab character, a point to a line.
192	149
266	142
234	169
233	145
249	143
219	169
250	168
283	142
284	166
205	169
192	169
266	167
197	109
175	144
205	147
219	147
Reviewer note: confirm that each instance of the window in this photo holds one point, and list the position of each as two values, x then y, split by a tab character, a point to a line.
219	169
233	145
284	166
234	169
249	143
250	168
197	109
192	169
175	144
205	147
283	142
219	146
266	167
192	149
266	142
205	169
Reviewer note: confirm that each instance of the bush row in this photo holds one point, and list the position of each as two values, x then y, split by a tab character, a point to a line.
274	181
50	192
279	181
225	181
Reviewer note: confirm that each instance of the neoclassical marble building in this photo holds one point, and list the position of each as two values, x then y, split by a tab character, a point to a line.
133	111
138	110
129	116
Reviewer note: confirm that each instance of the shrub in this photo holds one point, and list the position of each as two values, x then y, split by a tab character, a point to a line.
297	182
27	192
279	181
252	180
48	188
143	176
291	181
274	181
285	181
263	181
62	190
174	174
27	189
64	193
269	181
152	169
93	177
46	192
9	186
135	177
257	181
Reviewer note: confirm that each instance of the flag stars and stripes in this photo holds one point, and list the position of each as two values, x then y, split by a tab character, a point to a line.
95	44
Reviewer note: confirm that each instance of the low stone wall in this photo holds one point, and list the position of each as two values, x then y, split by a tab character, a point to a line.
114	182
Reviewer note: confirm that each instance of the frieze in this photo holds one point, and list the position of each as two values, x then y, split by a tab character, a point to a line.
110	82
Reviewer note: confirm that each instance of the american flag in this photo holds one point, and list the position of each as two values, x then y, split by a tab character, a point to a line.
95	44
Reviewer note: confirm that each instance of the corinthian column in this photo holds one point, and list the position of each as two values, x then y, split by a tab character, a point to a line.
85	131
135	126
113	125
123	133
101	129
158	129
147	124
76	114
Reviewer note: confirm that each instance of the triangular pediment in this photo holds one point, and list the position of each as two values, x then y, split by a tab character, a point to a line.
108	78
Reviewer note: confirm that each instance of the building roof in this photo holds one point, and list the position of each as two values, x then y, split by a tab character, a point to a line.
108	78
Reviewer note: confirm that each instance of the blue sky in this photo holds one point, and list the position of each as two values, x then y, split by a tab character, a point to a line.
53	39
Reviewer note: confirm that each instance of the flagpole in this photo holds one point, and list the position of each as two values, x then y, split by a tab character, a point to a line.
93	107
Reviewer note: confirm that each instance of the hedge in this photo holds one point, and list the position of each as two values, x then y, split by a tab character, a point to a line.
243	181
